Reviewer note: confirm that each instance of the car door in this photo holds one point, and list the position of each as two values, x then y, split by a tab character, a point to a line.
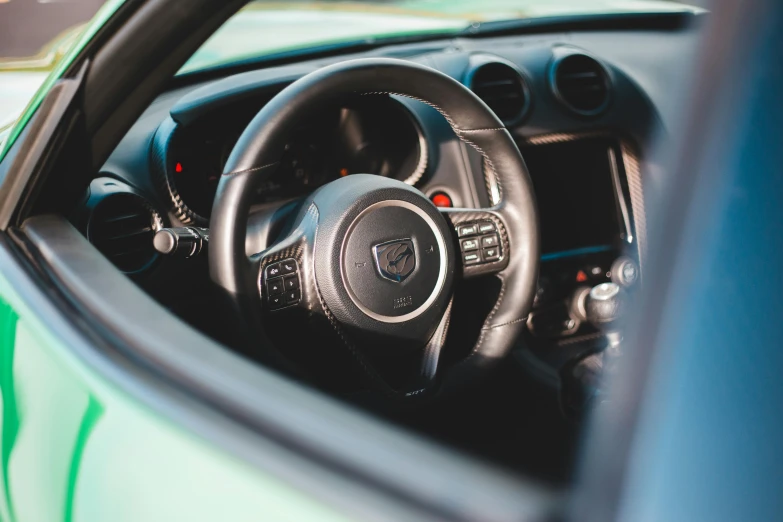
75	446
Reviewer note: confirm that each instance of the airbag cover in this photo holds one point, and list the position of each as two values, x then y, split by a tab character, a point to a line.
393	261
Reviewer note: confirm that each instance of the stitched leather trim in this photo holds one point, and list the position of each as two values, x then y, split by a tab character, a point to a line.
486	327
459	132
369	372
515	321
227	174
482	130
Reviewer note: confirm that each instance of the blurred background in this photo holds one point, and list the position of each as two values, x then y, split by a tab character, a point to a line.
26	26
34	34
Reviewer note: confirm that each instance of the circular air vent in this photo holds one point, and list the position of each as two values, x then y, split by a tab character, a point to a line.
502	88
121	227
581	83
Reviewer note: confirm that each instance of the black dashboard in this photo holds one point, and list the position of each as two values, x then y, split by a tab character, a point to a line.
580	106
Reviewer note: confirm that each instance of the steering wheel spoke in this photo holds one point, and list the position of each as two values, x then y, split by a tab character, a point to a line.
481	240
421	380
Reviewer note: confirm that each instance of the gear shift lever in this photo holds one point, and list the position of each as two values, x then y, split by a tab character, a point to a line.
603	307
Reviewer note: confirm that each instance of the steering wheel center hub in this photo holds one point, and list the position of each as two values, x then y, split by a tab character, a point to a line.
383	258
393	261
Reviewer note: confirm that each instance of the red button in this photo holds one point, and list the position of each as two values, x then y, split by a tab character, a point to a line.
441	200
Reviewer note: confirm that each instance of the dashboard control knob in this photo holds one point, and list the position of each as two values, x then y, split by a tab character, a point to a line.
625	272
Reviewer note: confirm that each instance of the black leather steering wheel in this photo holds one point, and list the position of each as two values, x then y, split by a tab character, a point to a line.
373	255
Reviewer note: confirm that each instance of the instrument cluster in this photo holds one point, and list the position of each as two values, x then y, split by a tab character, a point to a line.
369	135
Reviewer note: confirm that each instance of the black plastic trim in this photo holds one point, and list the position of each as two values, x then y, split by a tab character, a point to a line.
234	89
560	54
38	148
586	22
478	61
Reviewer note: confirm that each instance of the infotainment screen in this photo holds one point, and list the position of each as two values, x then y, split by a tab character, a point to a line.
576	194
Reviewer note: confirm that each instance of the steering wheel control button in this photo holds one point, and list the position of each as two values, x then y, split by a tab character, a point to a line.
274	286
288	266
292	297
489	241
471	259
485	240
491	254
467	230
282	284
291	283
276	301
469	244
273	270
486	227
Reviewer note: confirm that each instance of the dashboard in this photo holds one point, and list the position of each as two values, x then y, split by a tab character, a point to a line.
580	105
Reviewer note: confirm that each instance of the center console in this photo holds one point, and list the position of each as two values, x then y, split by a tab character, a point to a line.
587	228
589	268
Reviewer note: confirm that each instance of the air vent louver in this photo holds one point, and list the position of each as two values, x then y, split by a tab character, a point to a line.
121	227
581	83
503	89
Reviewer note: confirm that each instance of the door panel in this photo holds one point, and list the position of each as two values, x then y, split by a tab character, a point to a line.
76	448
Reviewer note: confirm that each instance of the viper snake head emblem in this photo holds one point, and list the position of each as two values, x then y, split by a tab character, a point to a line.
395	260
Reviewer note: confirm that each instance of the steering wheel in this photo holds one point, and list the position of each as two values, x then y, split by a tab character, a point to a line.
372	255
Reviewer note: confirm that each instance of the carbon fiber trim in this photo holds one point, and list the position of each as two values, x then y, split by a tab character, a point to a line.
294	247
489	174
636	187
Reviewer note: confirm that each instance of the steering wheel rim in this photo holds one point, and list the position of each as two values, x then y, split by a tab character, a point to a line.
259	149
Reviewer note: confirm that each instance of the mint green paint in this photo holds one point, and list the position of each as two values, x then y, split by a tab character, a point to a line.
78	449
91	416
51	406
10	416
